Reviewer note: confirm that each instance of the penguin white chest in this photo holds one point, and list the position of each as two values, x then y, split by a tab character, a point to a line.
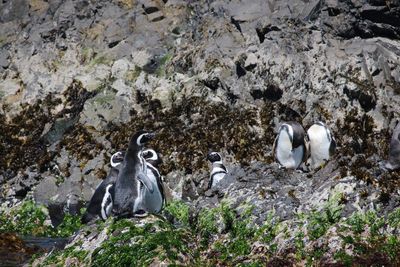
106	203
287	156
217	174
152	201
319	145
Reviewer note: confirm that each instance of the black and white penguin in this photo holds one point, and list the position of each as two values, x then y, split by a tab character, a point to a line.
101	202
394	150
132	174
322	144
290	145
218	170
152	201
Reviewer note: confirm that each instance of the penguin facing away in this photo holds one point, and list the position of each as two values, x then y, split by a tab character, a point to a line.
218	170
290	145
130	177
152	202
101	202
322	144
394	150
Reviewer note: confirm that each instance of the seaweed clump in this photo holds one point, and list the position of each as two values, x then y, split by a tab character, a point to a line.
25	138
21	144
191	128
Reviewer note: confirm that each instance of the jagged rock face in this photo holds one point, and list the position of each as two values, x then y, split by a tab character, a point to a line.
79	77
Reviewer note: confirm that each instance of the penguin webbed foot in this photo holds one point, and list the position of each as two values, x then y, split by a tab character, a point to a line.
123	215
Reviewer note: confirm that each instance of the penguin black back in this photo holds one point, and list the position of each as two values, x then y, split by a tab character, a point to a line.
298	133
94	207
132	173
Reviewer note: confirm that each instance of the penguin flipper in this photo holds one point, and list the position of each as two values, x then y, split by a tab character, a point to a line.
307	150
210	183
145	181
274	147
332	147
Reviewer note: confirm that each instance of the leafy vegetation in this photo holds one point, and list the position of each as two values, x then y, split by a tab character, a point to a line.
31	219
75	255
226	237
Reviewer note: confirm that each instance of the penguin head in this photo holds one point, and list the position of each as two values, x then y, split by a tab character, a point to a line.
117	158
288	129
214	156
142	137
151	156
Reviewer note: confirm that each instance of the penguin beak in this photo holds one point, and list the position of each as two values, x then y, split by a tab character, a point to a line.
150	136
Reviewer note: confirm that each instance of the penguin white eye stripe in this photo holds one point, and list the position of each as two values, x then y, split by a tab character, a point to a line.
138	141
115	164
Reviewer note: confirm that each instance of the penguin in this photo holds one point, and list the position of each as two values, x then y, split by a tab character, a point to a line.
394	150
101	202
133	173
322	144
290	145
218	170
152	201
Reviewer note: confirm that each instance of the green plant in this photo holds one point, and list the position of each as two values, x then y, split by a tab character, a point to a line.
319	221
69	225
206	224
161	66
57	258
32	219
269	230
130	245
27	219
179	210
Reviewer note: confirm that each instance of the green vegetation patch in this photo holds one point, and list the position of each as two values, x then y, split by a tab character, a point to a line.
131	245
31	219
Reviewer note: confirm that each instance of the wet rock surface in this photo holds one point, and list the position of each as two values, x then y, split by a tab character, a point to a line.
78	78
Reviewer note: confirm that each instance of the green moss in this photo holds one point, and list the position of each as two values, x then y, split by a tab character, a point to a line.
75	254
86	54
32	219
3	40
132	75
26	219
69	225
268	231
207	223
131	245
161	65
178	210
319	221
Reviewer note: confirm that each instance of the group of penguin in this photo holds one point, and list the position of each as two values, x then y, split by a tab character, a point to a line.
134	186
293	146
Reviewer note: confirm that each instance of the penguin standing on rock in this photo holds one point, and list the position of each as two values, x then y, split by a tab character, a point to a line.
394	150
132	175
218	170
290	145
322	145
101	202
152	201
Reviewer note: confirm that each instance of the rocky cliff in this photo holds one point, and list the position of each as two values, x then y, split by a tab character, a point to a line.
79	77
